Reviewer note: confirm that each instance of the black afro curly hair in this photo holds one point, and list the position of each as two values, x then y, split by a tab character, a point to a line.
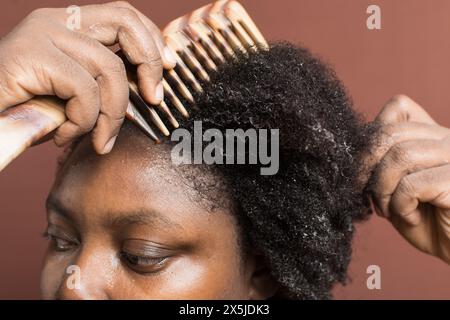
300	219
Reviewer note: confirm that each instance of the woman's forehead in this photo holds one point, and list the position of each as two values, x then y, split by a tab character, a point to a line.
137	174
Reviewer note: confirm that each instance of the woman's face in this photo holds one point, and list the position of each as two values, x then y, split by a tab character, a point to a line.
123	226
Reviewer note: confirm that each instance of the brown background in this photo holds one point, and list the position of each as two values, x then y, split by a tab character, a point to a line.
409	55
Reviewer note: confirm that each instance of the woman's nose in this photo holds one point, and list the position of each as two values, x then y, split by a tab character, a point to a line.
90	277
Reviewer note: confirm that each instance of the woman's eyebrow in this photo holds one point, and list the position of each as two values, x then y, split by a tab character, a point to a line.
57	207
143	217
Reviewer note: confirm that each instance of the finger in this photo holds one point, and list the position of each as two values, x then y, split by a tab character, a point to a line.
392	134
401	108
55	73
426	186
166	54
110	25
110	74
402	159
12	90
73	83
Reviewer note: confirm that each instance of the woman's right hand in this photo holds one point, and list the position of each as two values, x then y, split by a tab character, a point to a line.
412	178
44	56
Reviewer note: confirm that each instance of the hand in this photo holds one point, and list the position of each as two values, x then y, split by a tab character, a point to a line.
42	56
412	179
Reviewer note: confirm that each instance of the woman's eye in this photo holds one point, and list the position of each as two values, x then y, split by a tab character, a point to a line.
144	264
63	245
60	244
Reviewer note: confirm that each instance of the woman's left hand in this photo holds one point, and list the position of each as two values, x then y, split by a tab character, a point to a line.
412	177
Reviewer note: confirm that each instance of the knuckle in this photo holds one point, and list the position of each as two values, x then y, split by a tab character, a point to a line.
400	154
401	104
115	65
82	122
87	123
443	197
87	126
406	186
127	16
154	60
401	100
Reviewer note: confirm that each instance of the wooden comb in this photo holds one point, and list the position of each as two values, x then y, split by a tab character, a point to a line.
200	41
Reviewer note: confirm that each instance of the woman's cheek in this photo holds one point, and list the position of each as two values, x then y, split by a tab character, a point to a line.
188	279
52	275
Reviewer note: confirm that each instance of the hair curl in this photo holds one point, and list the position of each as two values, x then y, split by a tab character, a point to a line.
300	219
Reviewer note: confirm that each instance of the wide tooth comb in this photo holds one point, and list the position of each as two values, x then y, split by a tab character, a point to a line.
185	73
136	117
219	22
146	110
175	100
200	36
179	84
200	41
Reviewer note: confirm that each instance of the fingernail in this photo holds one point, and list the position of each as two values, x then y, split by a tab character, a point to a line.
170	56
108	147
159	95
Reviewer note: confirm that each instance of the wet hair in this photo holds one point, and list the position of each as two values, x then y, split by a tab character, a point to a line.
301	220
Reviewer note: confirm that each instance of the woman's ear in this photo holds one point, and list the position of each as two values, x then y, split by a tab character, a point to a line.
262	284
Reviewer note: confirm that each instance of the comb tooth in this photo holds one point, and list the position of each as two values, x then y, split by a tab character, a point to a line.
174	99
254	33
203	56
134	116
232	39
133	88
157	121
221	42
242	34
235	9
199	32
189	58
248	33
176	42
180	86
222	24
187	74
165	109
137	99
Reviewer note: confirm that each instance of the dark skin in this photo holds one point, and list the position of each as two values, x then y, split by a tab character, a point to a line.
137	232
128	220
412	176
